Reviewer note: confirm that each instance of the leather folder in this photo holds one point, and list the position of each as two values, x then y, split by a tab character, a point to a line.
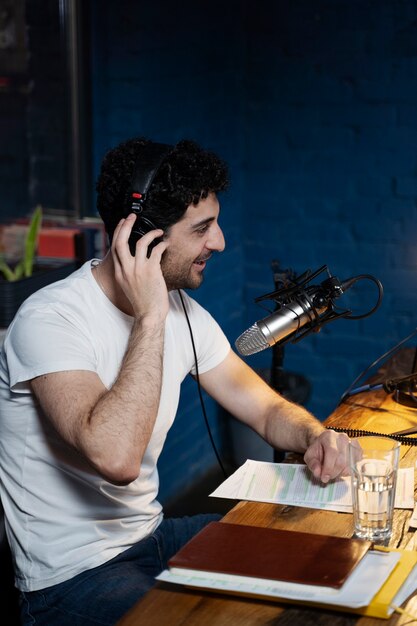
271	553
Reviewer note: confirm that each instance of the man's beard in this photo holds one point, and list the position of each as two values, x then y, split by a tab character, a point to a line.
180	277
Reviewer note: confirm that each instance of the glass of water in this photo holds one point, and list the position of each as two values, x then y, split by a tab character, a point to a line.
374	467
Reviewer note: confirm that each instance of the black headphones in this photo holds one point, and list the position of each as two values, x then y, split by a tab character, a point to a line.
146	167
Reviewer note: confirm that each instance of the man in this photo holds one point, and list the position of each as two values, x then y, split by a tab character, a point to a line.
90	376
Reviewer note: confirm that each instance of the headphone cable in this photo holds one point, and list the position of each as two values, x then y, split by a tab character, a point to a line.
197	377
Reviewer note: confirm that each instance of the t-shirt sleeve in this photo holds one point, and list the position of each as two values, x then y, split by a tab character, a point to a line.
212	345
41	341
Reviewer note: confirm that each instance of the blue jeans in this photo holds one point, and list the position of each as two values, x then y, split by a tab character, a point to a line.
103	594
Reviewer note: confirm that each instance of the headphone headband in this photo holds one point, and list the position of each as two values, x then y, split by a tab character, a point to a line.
146	167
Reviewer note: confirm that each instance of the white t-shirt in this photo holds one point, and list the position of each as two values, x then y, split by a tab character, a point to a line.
61	517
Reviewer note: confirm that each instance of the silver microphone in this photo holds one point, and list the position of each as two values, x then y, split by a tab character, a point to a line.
300	305
278	326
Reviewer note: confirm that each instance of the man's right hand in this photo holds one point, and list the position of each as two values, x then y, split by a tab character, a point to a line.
140	277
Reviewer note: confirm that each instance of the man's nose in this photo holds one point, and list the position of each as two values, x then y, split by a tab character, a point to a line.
216	241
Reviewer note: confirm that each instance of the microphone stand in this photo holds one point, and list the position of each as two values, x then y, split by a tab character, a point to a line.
278	376
290	385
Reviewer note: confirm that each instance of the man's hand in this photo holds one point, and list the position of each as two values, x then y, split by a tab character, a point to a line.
140	276
327	456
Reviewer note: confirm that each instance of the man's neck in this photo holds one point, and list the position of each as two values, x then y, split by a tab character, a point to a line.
104	276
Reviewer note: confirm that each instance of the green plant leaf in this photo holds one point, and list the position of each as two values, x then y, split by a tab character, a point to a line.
25	265
19	270
7	271
31	241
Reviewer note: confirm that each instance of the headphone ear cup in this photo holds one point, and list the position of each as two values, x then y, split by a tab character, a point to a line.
141	226
135	235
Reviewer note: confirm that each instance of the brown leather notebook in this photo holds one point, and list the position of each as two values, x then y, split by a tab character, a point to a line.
271	553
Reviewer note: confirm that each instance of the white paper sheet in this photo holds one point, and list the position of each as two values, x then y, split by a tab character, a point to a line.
293	484
365	581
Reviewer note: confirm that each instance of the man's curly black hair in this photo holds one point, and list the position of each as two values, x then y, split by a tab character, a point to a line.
188	174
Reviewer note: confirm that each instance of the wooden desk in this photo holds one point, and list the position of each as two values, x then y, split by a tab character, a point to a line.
174	606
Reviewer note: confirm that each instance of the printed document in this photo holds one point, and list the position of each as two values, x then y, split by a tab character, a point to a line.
357	591
294	484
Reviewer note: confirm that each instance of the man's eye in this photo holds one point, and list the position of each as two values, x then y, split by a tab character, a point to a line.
202	230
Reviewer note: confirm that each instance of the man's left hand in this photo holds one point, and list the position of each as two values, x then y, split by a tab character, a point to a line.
327	456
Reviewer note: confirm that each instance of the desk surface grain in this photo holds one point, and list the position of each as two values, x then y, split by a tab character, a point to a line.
174	606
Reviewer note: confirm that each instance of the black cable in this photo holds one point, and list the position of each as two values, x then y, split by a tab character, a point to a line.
348	283
414	366
372	365
356	432
197	377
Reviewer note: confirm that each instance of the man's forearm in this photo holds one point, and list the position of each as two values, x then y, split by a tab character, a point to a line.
120	424
289	426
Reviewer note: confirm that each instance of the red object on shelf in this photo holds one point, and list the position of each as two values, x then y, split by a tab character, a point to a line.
58	243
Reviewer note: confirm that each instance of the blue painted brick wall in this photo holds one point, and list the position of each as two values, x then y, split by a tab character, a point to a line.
331	169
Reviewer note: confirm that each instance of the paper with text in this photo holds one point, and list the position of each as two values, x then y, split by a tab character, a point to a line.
358	590
293	484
